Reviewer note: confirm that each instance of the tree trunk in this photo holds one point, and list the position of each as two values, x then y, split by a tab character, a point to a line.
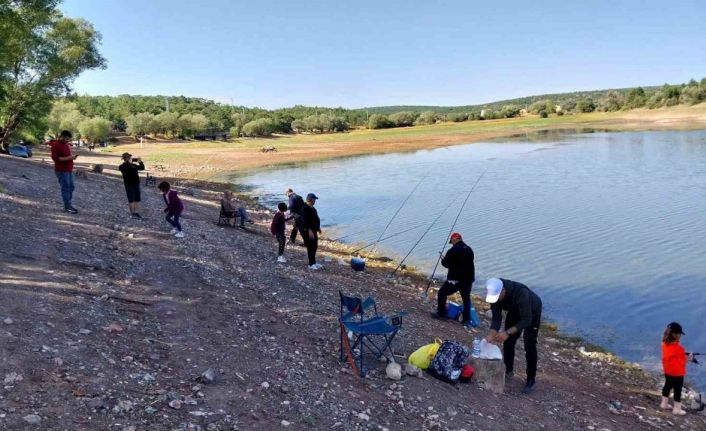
7	131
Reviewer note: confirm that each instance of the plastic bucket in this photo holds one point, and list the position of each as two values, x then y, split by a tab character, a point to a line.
453	310
358	264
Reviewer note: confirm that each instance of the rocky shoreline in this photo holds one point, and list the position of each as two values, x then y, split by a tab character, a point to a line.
111	323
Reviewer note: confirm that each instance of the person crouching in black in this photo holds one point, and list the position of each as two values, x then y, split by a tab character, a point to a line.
459	260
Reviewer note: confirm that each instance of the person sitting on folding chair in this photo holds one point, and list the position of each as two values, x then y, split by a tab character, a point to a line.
231	210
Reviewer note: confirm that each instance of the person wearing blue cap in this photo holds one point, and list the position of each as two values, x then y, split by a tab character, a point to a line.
311	228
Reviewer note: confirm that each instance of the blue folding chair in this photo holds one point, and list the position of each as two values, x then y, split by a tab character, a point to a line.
368	330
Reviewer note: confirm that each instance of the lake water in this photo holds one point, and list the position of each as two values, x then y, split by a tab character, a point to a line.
608	228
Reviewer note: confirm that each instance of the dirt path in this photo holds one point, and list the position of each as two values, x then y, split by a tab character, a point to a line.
108	320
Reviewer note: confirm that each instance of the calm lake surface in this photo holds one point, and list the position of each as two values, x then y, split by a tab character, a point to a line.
608	228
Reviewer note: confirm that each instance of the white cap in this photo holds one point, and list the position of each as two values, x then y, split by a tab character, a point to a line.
493	286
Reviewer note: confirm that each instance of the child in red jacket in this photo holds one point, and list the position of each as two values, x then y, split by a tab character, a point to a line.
277	229
674	359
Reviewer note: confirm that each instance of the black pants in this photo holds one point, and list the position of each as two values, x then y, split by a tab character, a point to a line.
449	289
673	382
281	240
311	245
530	339
296	229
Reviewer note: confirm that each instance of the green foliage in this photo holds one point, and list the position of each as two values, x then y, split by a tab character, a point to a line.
636	98
510	111
95	129
457	117
41	53
377	121
586	105
693	94
64	116
190	124
140	124
613	101
427	117
546	105
403	118
259	127
166	123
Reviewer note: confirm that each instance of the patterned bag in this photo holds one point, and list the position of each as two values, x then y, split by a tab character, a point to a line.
449	361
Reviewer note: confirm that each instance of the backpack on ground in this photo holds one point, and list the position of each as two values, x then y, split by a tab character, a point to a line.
449	361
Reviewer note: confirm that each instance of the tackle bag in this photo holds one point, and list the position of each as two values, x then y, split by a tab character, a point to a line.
422	357
449	361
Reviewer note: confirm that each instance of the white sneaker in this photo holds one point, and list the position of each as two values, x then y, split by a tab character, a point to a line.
173	231
179	235
281	259
316	266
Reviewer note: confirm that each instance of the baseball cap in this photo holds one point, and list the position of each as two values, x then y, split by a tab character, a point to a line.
455	235
311	197
493	287
676	328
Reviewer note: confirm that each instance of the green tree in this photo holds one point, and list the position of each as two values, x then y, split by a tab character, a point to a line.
403	118
259	127
140	124
636	98
166	123
239	120
41	53
457	117
510	111
95	129
378	121
613	101
427	117
586	105
546	105
64	116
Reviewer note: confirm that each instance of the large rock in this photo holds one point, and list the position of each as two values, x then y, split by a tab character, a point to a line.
394	371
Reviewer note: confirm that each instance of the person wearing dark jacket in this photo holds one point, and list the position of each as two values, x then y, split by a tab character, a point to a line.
174	208
296	206
311	228
277	229
524	313
460	278
131	178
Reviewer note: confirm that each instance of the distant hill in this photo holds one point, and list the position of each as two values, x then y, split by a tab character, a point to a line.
523	102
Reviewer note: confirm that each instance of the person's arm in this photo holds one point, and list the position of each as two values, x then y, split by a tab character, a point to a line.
448	258
495	323
140	166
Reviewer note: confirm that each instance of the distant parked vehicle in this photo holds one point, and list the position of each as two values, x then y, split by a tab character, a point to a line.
19	150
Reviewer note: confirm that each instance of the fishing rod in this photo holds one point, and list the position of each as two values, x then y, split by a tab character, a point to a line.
347	235
386	238
423	235
446	240
398	211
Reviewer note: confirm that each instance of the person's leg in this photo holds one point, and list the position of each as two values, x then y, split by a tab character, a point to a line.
293	235
509	345
136	200
170	219
176	221
281	240
467	304
530	338
666	389
444	292
62	177
70	176
315	246
678	383
243	216
311	254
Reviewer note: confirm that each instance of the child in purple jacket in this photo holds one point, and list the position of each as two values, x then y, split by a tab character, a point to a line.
277	229
173	209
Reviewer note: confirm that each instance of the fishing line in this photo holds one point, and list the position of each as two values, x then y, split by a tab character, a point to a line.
424	234
446	240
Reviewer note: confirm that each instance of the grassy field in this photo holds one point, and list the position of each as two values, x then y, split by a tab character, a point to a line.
215	160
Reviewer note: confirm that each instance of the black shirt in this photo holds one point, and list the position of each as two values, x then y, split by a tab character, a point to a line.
311	218
520	301
459	261
130	173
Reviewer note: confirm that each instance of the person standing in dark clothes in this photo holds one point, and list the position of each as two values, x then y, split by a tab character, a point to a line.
131	178
311	229
174	208
296	206
524	313
277	228
460	278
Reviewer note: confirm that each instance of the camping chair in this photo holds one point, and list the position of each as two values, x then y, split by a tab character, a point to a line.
150	180
368	330
224	216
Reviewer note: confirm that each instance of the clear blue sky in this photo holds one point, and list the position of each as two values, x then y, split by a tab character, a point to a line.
277	53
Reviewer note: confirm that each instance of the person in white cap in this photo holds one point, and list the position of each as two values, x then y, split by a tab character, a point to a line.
524	312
